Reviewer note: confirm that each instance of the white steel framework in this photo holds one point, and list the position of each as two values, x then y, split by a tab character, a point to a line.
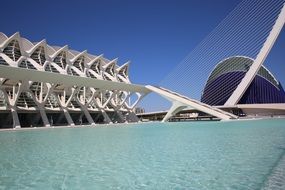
48	80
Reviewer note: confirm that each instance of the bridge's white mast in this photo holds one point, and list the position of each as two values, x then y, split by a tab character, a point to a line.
251	73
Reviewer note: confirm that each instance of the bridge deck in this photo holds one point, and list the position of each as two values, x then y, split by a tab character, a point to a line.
185	101
16	73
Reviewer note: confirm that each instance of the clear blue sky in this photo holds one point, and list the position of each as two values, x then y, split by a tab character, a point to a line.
154	34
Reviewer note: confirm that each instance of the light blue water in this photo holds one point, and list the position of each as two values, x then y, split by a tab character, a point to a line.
195	155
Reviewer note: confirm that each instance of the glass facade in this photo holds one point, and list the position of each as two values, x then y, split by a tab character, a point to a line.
228	74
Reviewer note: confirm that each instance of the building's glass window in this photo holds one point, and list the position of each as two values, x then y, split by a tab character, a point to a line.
265	74
60	60
119	79
73	103
90	74
50	68
110	70
106	78
79	63
52	102
36	88
2	99
71	71
25	100
39	55
96	66
123	72
13	50
3	62
26	64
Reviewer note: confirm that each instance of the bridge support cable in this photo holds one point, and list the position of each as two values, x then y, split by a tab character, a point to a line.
254	68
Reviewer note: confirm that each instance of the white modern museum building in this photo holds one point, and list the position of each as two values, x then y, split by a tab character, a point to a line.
43	85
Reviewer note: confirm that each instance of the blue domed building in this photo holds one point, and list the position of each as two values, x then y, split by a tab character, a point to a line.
226	76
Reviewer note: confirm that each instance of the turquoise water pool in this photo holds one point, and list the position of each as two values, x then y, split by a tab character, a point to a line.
192	155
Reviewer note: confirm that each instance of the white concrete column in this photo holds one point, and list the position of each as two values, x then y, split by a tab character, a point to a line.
16	121
84	106
44	116
120	116
132	117
12	103
87	115
68	117
40	102
175	108
106	117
